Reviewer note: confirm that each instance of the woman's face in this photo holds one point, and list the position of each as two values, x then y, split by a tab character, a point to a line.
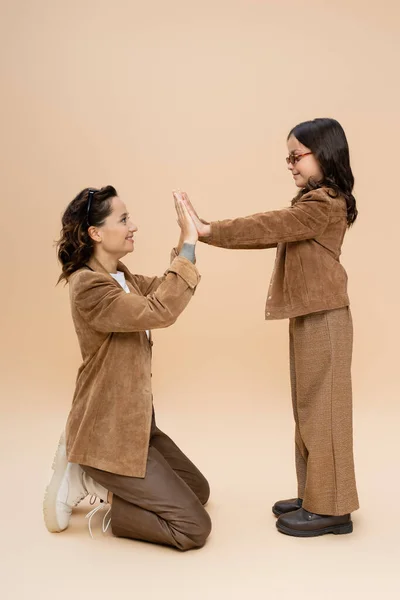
305	166
116	235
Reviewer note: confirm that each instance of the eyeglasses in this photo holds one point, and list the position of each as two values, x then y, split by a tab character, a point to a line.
89	204
294	158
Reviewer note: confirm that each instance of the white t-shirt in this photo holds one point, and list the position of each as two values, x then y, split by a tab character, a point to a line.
120	278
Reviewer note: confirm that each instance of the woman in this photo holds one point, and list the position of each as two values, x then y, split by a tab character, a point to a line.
113	447
309	287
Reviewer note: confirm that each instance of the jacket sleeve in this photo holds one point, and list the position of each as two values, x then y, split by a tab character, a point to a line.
108	308
305	220
148	285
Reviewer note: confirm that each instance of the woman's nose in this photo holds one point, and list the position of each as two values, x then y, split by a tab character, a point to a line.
132	227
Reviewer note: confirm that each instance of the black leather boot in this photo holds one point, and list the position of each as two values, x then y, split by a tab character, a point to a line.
284	506
301	523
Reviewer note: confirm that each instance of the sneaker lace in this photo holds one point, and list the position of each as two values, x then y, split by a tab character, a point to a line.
91	514
79	499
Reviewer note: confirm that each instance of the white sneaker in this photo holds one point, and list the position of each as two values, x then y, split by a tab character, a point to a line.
65	490
68	486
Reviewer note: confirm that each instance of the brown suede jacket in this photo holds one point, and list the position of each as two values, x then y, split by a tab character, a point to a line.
307	276
109	423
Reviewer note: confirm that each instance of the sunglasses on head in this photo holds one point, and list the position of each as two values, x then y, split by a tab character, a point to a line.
89	204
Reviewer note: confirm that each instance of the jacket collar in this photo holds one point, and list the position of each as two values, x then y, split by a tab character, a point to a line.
97	266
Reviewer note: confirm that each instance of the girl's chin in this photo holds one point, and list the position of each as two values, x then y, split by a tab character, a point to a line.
298	182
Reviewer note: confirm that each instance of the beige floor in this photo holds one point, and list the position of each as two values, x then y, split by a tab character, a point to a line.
247	456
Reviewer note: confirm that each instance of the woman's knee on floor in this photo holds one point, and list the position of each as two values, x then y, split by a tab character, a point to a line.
197	532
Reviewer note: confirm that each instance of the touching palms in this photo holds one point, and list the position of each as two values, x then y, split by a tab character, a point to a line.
203	227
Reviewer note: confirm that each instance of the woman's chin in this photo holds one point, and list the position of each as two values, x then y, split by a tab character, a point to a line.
129	247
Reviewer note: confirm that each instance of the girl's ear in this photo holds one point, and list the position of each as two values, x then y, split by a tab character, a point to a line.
95	234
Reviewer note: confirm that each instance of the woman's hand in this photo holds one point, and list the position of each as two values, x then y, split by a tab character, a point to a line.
203	227
189	233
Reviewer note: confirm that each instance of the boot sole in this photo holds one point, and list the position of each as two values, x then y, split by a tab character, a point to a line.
50	498
335	529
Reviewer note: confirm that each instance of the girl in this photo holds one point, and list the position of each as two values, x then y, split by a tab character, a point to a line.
114	447
309	287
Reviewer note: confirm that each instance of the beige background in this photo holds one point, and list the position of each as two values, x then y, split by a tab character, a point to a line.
150	96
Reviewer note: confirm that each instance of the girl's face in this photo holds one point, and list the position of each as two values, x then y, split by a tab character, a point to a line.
116	235
304	167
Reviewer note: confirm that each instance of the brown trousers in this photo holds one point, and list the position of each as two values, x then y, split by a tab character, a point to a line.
166	506
320	364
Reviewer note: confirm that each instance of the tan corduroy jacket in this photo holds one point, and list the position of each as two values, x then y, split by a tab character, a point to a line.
307	276
109	423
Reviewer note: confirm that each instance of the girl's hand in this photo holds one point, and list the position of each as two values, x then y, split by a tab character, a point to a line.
189	233
203	227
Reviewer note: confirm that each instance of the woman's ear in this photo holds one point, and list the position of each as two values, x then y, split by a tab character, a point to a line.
94	234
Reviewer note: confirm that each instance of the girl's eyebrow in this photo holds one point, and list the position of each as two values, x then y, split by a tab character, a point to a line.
125	214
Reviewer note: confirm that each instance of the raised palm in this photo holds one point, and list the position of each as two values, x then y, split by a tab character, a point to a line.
203	227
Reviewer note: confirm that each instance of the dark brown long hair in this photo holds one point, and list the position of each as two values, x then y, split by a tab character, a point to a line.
75	246
327	141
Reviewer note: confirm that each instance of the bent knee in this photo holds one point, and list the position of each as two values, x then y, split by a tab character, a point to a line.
199	531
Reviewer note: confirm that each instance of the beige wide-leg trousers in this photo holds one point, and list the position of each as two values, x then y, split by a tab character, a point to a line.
320	364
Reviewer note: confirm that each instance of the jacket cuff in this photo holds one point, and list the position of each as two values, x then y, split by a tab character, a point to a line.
215	238
185	269
173	255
